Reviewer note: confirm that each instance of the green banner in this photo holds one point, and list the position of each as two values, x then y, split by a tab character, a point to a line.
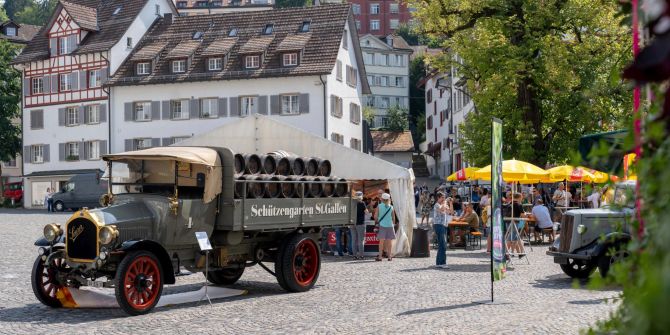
498	268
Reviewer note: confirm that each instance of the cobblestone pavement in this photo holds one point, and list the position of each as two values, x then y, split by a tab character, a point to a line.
351	297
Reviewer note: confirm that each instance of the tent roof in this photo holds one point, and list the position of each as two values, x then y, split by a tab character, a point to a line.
262	134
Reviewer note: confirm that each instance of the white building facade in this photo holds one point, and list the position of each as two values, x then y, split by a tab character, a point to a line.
387	66
447	105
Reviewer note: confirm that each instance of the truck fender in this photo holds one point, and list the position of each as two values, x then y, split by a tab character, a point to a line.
156	249
42	242
610	240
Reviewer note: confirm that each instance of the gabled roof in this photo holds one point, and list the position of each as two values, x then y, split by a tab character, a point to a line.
399	43
25	32
392	141
183	49
85	15
319	53
149	51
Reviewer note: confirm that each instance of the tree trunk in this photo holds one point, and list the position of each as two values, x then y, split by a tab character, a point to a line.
2	187
527	101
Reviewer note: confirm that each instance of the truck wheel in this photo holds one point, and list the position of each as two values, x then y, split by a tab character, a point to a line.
59	206
45	281
577	268
298	264
618	254
139	279
225	276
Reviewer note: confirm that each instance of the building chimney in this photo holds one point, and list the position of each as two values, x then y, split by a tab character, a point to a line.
168	17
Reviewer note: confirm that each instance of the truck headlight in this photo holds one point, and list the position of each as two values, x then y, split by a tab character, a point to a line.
581	229
52	231
107	234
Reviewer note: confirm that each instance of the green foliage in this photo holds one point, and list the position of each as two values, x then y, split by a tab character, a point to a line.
412	34
417	106
3	15
37	13
369	114
11	7
293	3
546	68
398	119
10	100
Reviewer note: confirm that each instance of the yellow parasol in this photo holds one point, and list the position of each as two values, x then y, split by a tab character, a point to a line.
601	177
463	174
571	174
515	171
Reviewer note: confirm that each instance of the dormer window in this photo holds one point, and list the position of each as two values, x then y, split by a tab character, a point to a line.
268	30
304	27
10	31
290	59
117	11
143	68
179	66
252	62
232	32
215	64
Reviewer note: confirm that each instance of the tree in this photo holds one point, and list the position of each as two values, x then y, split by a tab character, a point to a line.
3	15
548	69
417	106
398	119
12	7
37	13
369	114
293	3
10	100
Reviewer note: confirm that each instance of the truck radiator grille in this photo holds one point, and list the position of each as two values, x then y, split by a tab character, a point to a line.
132	233
567	224
82	240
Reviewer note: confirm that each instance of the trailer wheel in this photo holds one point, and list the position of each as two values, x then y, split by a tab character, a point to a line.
225	276
298	263
140	282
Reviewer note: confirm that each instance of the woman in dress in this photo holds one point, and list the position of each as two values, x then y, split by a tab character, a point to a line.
385	220
426	207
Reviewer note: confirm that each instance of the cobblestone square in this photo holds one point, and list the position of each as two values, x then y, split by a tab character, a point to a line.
405	296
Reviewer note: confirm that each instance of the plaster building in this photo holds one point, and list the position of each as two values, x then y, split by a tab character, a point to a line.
447	105
387	66
200	7
393	146
108	76
379	17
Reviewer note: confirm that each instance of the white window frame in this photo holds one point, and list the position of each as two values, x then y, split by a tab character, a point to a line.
64	83
179	66
399	81
215	64
290	59
290	104
63	45
394	8
94	79
375	9
374	25
143	109
209	106
394	23
11	31
37	152
72	116
356	8
93	150
143	68
72	150
37	84
248	105
92	114
177	110
141	143
129	42
252	62
177	139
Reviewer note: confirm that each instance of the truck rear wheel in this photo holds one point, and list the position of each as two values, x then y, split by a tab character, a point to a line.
225	276
59	206
298	263
577	268
139	280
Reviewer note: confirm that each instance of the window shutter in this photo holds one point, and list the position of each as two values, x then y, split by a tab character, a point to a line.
263	105
332	105
46	80
129	145
54	83
103	75
304	103
53	47
348	74
223	107
340	111
166	109
72	43
82	115
194	109
83	80
103	113
128	111
83	150
155	142
40	118
155	110
33	119
74	78
275	105
235	106
351	113
103	148
61	152
27	155
26	87
46	154
167	141
61	116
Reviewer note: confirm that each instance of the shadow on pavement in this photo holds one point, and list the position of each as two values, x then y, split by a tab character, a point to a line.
562	282
438	309
590	301
454	268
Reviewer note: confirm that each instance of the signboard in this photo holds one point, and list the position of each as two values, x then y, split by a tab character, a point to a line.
497	226
203	240
306	212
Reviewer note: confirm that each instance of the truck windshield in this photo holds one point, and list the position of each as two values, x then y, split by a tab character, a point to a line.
142	177
624	197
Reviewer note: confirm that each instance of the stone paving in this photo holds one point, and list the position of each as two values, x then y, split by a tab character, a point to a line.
351	297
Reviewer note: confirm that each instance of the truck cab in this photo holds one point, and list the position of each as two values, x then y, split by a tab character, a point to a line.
596	238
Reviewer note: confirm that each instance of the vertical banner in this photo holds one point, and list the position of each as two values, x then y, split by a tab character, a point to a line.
497	227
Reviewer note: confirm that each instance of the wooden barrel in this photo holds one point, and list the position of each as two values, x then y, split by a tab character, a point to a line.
341	188
283	166
311	166
239	163
269	164
297	165
239	186
289	190
252	164
312	190
255	190
272	189
324	167
328	186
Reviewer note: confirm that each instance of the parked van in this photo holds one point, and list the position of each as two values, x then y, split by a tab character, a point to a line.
82	190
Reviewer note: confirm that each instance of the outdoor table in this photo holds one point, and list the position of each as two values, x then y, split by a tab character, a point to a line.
454	227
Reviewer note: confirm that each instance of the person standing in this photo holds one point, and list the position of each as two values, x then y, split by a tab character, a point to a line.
594	198
358	231
385	222
49	201
440	224
426	207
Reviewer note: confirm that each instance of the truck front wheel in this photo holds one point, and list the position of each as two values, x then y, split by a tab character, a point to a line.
577	268
617	254
298	263
139	279
45	281
225	276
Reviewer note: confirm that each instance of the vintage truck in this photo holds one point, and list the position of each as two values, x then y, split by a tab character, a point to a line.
157	199
595	238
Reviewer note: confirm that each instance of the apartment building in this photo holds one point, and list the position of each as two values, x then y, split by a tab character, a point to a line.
200	7
379	17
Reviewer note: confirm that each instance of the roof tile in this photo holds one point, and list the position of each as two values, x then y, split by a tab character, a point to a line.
392	141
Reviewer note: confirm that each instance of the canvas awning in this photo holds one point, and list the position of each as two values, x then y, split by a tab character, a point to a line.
202	156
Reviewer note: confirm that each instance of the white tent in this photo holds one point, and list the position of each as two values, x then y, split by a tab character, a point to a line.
261	134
